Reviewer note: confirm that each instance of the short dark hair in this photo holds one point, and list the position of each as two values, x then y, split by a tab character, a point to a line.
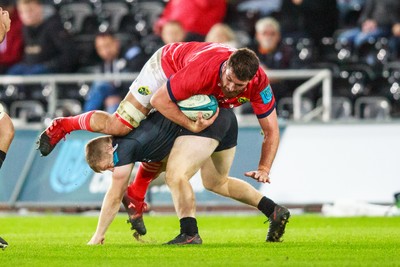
244	64
105	33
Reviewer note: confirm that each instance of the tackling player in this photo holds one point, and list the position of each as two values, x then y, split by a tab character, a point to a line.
176	72
213	149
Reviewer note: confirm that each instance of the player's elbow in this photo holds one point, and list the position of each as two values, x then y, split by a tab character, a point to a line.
155	101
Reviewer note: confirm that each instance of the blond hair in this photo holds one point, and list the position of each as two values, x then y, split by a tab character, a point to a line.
220	32
95	151
263	23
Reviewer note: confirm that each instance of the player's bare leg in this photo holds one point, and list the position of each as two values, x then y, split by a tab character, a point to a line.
215	178
7	132
187	156
117	124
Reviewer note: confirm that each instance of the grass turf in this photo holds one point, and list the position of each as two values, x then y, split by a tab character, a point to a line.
310	240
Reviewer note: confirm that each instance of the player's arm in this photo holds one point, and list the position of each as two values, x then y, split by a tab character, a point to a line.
111	202
163	103
270	129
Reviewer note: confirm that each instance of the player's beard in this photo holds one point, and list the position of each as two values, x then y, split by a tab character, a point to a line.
230	94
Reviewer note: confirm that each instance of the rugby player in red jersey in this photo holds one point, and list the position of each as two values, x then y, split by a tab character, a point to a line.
176	72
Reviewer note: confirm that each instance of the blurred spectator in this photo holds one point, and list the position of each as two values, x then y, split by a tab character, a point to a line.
321	18
222	33
395	40
309	18
12	46
48	47
349	12
273	54
375	21
291	20
173	31
196	16
106	94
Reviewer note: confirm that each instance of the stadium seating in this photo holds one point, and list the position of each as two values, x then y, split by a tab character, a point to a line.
369	107
341	109
372	71
28	110
284	107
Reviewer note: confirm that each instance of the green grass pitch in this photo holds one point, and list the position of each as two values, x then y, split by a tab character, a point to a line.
310	240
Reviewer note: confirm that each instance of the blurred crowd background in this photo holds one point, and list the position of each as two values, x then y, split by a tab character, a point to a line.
358	40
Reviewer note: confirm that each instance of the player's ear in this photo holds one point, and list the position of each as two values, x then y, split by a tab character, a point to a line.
109	148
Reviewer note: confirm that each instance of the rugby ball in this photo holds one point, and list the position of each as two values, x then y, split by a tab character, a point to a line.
206	104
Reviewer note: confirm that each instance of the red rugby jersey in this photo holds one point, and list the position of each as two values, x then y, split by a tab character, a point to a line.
194	68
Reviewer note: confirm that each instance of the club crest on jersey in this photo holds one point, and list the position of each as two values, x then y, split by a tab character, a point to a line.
144	90
243	100
266	94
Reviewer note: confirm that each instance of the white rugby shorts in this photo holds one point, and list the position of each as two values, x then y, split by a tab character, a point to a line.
149	80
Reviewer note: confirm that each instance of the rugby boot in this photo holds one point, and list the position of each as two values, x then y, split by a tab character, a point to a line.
3	243
49	138
184	239
277	223
135	210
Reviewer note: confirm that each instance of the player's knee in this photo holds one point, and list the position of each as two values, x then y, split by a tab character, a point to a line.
213	185
174	180
116	127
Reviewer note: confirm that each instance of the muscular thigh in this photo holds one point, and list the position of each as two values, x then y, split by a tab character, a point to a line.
188	154
217	167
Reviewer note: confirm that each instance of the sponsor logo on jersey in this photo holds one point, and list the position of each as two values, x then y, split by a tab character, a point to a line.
243	100
266	94
144	90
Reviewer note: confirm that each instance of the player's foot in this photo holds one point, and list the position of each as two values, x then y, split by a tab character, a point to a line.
184	239
3	243
49	138
277	223
135	210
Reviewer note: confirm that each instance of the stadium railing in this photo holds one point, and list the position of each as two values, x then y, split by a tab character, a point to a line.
312	77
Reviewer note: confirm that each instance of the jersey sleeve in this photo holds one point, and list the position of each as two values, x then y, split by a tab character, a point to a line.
262	99
264	102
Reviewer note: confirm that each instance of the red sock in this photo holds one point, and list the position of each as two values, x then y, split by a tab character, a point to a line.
146	173
78	122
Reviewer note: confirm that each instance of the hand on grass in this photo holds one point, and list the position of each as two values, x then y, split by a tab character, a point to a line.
96	241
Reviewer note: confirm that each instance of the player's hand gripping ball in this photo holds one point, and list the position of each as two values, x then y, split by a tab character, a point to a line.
206	104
